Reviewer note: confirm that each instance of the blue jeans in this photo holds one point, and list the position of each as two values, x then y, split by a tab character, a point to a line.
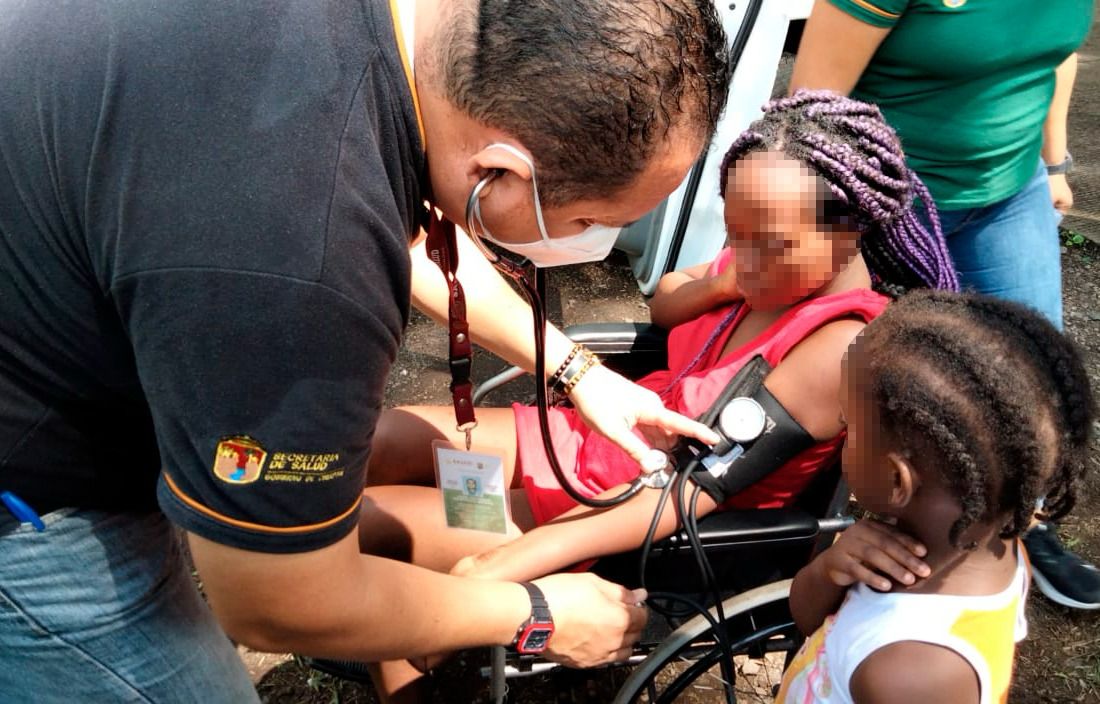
1010	249
101	607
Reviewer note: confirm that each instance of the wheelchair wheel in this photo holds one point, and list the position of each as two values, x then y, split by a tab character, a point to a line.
757	622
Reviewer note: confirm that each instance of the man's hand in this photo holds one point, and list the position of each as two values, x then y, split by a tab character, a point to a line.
870	549
614	407
595	622
1061	195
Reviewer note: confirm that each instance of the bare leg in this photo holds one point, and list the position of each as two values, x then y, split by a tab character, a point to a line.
407	523
401	452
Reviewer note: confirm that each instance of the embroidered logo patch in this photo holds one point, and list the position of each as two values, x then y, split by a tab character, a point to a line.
239	460
304	467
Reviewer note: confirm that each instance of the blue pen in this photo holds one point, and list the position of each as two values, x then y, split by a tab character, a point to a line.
22	511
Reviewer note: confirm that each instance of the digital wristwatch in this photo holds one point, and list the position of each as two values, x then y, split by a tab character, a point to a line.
533	635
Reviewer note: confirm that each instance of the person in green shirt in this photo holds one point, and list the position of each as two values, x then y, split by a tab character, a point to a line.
978	91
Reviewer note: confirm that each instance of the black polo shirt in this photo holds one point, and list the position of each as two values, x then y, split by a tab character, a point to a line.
205	210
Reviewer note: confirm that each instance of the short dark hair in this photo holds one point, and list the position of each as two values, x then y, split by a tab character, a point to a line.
989	394
590	87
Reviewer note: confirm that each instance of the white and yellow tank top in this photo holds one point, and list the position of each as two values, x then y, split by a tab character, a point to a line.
982	629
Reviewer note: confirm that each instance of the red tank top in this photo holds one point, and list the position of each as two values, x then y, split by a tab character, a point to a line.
598	464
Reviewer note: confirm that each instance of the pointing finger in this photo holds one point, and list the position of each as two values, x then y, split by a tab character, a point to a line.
681	425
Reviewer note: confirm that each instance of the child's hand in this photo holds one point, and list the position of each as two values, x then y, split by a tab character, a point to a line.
870	549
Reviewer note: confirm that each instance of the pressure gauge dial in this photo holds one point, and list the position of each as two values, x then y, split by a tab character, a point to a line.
742	420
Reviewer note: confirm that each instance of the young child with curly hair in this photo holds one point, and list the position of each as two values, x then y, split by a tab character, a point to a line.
962	410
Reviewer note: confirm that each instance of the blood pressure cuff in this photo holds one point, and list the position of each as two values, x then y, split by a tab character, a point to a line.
781	440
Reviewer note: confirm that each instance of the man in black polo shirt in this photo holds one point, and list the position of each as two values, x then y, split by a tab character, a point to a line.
206	214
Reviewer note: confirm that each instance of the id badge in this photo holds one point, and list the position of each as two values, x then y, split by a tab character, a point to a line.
472	485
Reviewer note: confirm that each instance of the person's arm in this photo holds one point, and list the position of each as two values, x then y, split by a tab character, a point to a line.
835	49
688	293
864	553
580	534
807	383
1054	132
888	676
502	322
336	602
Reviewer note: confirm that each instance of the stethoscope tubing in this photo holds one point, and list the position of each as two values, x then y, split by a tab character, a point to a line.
531	282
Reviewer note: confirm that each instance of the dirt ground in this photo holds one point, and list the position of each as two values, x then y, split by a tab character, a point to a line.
1059	662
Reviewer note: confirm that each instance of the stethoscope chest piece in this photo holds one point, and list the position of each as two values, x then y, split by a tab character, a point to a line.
655	472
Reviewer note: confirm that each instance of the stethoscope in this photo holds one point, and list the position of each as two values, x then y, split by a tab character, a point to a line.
660	473
531	281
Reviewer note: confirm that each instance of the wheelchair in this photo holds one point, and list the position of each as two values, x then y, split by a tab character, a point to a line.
754	555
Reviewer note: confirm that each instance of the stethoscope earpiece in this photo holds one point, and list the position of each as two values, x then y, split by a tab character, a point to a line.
519	270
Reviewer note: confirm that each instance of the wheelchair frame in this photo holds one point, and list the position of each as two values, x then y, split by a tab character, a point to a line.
757	615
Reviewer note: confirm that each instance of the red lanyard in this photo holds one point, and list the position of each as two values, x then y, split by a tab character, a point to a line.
443	250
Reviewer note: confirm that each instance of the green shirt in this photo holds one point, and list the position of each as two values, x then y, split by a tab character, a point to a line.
967	85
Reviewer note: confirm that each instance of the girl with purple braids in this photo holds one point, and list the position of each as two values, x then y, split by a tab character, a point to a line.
822	232
870	188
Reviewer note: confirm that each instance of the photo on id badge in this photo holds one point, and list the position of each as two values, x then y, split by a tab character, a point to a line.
472	486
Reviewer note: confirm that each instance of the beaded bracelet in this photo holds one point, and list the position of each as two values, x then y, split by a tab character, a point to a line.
569	375
568	370
556	376
569	382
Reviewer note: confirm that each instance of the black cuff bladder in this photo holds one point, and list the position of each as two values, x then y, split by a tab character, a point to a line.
742	464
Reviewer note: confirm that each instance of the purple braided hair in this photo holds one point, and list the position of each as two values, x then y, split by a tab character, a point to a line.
849	145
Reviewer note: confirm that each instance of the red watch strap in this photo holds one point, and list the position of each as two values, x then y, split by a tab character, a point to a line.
534	638
534	634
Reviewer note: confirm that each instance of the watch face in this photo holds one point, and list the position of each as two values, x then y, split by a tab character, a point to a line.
535	638
743	419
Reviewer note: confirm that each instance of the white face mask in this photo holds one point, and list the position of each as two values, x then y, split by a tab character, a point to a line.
591	245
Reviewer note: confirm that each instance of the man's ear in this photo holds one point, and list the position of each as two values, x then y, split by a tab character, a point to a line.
904	480
496	158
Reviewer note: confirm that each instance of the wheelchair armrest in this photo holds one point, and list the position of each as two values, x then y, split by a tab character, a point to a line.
633	349
749	527
747	548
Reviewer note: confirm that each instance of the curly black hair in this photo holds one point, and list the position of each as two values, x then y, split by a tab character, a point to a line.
989	393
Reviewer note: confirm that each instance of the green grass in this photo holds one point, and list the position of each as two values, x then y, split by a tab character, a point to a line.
1071	238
